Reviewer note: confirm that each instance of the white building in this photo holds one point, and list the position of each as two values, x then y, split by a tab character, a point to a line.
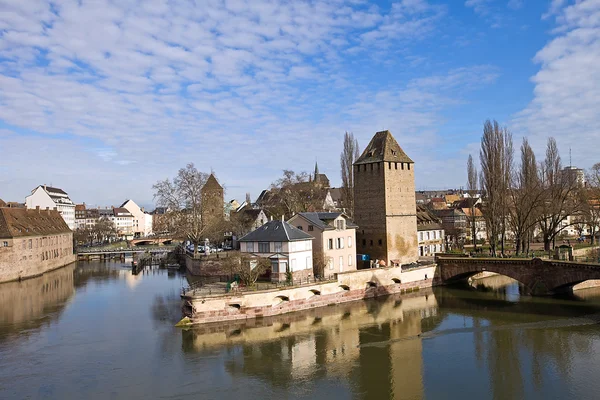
123	221
50	197
288	248
142	221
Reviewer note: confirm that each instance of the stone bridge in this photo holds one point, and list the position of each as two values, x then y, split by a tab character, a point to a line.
150	241
540	277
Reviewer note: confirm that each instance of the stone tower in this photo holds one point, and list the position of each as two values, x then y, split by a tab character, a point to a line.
384	202
212	200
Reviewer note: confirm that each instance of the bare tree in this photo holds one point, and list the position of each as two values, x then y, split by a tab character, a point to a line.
182	197
496	157
560	195
248	268
472	189
319	263
104	230
347	158
591	201
293	193
524	198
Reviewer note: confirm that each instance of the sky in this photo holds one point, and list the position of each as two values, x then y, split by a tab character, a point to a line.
103	98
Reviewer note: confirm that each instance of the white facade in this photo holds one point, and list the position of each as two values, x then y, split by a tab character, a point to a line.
431	240
142	221
49	197
123	221
292	256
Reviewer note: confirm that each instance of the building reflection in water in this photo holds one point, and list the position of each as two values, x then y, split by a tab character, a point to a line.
31	303
361	342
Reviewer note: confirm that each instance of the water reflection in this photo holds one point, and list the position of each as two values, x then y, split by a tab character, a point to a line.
330	343
99	332
31	303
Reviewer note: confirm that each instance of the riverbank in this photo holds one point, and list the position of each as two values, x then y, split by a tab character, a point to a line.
348	286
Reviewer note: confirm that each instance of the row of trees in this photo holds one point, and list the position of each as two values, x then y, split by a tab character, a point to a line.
520	197
102	231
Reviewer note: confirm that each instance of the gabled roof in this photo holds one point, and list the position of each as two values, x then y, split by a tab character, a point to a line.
276	231
212	184
18	222
321	219
383	147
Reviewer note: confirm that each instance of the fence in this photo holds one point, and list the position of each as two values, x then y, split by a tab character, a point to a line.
209	285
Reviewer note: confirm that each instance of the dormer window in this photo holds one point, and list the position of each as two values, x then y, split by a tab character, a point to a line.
393	152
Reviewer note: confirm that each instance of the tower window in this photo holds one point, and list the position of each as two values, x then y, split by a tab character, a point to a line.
371	242
408	164
364	242
380	242
402	165
389	165
371	167
396	165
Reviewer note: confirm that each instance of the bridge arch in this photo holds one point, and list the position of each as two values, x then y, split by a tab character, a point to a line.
539	277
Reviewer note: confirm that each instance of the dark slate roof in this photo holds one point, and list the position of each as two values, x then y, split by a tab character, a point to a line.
276	231
383	147
212	184
321	219
54	190
336	194
18	222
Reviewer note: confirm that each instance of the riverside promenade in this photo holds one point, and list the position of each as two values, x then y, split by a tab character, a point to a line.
348	286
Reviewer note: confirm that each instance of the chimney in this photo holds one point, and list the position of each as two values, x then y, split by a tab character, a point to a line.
37	209
55	209
47	208
282	217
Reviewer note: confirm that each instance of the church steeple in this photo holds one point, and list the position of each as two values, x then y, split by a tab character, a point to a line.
316	178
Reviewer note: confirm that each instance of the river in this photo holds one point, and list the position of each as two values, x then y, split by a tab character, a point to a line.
95	331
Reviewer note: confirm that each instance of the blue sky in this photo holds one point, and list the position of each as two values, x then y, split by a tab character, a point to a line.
103	98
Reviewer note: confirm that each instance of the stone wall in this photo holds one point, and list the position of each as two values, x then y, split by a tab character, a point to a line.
350	286
210	266
385	211
32	256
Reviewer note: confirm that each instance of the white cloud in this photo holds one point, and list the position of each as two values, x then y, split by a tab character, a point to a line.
516	4
143	88
479	6
566	101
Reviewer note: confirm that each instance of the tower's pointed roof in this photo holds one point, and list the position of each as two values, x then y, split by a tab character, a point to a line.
212	183
383	147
